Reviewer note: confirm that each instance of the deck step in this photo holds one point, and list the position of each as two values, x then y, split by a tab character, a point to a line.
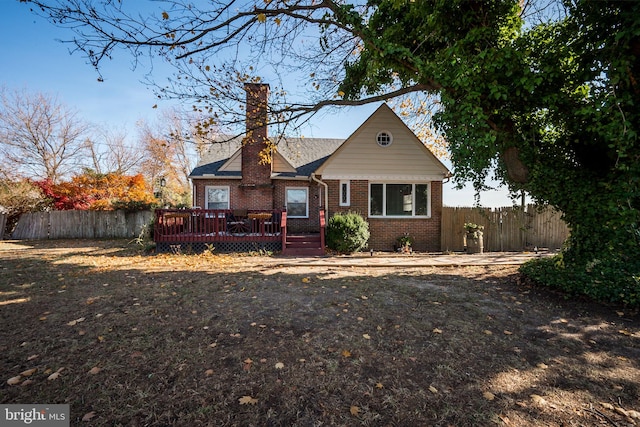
304	252
303	245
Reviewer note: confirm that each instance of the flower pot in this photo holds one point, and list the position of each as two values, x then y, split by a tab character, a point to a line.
474	244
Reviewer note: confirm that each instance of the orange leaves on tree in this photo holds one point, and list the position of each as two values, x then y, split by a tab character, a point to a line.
94	191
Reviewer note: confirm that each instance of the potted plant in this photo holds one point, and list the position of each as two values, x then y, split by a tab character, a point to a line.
403	244
473	240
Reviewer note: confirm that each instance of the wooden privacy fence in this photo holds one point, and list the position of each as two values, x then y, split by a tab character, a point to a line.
505	229
81	225
3	224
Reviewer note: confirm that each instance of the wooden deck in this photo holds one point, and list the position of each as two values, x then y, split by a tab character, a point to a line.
229	230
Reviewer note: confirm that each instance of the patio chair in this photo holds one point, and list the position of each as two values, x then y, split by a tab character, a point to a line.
238	222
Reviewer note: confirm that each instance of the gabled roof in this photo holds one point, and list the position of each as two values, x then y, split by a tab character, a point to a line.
295	157
357	157
405	158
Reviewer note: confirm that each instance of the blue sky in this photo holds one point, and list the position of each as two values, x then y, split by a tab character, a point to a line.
34	60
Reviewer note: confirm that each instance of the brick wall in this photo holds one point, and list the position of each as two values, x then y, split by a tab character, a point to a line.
384	231
256	176
300	225
260	197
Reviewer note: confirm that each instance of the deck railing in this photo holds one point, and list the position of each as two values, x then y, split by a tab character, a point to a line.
217	225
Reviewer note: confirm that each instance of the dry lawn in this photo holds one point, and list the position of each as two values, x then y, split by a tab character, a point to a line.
129	339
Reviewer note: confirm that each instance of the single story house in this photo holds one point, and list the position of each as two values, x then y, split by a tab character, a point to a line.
382	171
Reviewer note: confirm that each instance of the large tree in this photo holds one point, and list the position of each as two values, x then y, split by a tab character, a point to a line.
111	153
39	136
543	94
171	150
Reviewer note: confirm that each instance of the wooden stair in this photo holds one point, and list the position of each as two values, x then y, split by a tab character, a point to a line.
303	245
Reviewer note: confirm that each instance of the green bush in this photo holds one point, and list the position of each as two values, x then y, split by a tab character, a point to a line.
605	279
347	232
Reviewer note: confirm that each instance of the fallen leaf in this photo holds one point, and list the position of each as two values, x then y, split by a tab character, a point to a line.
508	333
213	344
55	375
487	332
208	372
305	280
607	405
94	370
432	389
633	414
14	380
346	353
542	365
364	297
537	399
437	331
379	386
26	383
279	365
354	410
247	400
366	336
28	372
75	322
33	357
488	395
622	411
88	416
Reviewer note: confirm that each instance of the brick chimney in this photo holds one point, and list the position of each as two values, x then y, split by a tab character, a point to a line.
256	177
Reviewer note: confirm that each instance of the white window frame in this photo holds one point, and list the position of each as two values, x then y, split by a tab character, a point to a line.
345	184
413	201
216	187
286	201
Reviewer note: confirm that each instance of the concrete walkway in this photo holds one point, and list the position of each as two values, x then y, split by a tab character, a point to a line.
385	259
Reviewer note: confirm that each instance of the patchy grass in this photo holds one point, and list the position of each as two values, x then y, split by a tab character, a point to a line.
175	340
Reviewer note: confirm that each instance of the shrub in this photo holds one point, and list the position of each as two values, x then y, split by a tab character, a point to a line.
606	279
347	232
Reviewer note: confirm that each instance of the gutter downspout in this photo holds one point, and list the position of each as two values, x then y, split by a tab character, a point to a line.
326	191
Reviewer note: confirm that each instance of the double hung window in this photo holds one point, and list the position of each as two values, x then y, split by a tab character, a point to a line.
297	202
216	197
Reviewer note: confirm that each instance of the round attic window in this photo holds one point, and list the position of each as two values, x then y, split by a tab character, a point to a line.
384	138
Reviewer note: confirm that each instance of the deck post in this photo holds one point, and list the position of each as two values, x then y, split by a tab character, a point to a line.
283	231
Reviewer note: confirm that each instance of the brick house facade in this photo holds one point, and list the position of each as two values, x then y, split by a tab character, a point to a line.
382	171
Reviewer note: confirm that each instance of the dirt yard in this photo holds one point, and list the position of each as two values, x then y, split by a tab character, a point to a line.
130	339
